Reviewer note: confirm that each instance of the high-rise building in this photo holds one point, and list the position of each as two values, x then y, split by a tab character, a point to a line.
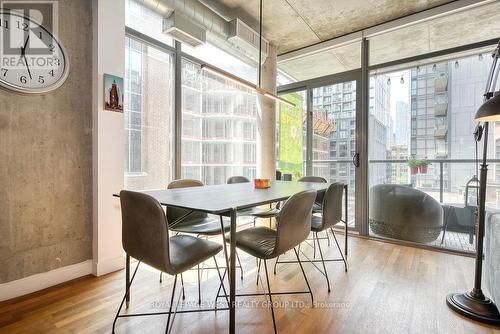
444	99
218	128
381	129
339	104
401	135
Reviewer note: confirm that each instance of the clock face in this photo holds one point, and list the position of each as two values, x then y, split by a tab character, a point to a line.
31	59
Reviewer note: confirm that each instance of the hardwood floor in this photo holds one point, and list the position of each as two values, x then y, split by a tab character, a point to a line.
388	289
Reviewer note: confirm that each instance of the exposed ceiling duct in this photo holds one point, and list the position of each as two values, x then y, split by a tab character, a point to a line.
234	35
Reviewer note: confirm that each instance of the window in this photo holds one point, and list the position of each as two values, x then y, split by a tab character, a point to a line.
146	21
219	127
148	112
431	116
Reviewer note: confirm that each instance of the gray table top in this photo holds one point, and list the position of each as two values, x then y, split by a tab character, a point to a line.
222	198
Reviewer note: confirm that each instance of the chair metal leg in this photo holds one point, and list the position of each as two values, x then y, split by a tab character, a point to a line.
171	304
305	277
314	245
127	279
270	297
224	244
199	286
276	263
239	263
340	251
161	273
327	237
127	293
258	270
221	278
183	292
323	261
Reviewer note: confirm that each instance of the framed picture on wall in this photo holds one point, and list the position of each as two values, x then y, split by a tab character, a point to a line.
113	93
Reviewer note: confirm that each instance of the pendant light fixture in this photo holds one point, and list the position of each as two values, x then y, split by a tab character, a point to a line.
233	78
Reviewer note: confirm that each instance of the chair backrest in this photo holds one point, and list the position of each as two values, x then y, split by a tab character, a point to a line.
175	213
237	179
294	221
332	205
144	230
317	179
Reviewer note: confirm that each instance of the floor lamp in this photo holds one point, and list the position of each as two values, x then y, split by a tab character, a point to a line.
474	304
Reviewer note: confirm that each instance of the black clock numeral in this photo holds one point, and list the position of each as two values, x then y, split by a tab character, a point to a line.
40	34
52	48
4	24
51	72
23	79
4	70
40	79
22	25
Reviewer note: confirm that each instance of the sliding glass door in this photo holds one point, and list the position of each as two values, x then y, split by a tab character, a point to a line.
319	136
333	132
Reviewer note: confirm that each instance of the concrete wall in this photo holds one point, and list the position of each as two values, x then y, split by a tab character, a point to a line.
46	163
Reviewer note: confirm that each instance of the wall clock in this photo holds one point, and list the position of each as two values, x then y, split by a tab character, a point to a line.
32	60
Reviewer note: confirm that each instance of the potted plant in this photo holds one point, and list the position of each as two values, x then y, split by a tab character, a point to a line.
413	163
422	166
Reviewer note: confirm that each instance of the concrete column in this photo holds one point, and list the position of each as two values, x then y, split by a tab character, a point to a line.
266	120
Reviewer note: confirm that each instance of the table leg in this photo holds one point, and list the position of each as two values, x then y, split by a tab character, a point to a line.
127	280
232	274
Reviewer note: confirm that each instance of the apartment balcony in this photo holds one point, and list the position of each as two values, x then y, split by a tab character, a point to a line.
441	83
446	181
441	109
440	133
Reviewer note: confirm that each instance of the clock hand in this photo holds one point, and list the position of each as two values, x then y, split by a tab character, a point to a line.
26	43
27	66
23	54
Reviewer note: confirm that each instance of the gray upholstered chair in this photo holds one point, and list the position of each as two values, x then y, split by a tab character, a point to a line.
331	216
263	213
195	222
404	213
145	237
319	197
293	227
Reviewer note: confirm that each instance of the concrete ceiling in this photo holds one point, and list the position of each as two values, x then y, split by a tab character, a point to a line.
292	24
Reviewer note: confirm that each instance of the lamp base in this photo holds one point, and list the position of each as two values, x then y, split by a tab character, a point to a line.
479	309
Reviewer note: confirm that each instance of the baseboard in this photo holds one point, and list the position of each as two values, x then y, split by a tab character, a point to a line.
41	281
108	266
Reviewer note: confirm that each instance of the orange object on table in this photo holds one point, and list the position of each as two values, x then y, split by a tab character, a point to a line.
262	183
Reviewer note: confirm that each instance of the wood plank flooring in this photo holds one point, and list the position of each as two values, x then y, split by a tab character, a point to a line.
388	289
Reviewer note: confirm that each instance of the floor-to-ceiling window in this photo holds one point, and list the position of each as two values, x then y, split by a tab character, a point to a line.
219	130
291	136
148	116
428	150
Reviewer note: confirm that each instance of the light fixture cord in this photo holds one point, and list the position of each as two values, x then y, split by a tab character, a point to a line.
260	44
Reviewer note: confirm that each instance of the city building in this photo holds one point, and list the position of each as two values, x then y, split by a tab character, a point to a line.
219	128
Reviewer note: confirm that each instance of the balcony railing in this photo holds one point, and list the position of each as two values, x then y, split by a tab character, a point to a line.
441	163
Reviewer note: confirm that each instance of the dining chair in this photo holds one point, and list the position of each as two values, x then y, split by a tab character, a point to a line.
318	203
199	223
145	237
319	197
293	227
331	216
262	213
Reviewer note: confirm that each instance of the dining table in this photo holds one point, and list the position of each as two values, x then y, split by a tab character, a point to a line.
227	200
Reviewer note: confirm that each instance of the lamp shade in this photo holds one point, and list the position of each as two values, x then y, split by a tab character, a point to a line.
490	110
